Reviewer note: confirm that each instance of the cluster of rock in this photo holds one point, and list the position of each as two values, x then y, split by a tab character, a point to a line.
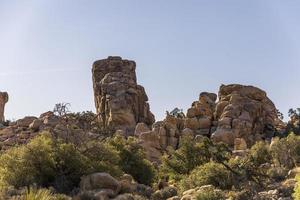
242	116
120	102
244	112
162	135
102	186
22	130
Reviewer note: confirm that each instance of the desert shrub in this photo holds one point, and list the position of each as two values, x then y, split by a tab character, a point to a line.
210	173
279	153
260	153
293	142
190	155
296	194
133	160
164	194
286	151
42	194
294	123
240	195
277	173
257	163
210	194
46	161
253	167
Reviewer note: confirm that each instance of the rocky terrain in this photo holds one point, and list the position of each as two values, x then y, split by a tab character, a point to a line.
239	116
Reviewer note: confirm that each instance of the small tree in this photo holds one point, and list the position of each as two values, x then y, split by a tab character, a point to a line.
61	109
133	160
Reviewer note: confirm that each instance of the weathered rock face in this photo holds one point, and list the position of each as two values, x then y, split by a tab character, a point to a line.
164	135
120	101
3	101
244	112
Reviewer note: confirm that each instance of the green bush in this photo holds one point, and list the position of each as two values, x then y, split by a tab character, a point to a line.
296	194
260	153
133	160
190	155
46	161
210	173
286	151
210	194
42	194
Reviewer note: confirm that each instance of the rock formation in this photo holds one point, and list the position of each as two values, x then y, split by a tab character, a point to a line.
120	101
244	112
242	116
163	135
3	101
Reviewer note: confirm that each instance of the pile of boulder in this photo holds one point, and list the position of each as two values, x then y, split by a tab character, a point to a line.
242	116
103	186
245	112
23	130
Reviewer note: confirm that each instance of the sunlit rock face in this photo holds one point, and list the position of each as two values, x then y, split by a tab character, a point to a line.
3	101
120	102
244	112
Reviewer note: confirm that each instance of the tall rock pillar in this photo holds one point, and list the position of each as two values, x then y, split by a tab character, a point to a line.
120	102
3	101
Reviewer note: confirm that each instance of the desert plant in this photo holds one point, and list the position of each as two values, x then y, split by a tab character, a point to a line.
133	160
210	194
296	194
286	151
47	161
210	173
192	154
42	194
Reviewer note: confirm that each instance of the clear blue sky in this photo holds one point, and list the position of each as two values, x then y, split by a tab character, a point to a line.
181	48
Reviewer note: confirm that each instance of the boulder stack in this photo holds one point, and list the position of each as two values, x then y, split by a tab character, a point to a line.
242	116
120	102
244	112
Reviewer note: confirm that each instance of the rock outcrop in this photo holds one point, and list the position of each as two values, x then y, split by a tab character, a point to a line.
244	112
120	102
242	116
164	134
3	101
72	126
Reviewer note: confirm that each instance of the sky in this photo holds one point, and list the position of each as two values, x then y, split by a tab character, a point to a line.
181	48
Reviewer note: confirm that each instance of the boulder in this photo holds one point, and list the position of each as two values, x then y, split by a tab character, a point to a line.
35	125
26	121
223	135
240	144
101	181
187	132
141	128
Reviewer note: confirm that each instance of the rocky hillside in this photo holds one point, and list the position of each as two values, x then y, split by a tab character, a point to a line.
230	145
